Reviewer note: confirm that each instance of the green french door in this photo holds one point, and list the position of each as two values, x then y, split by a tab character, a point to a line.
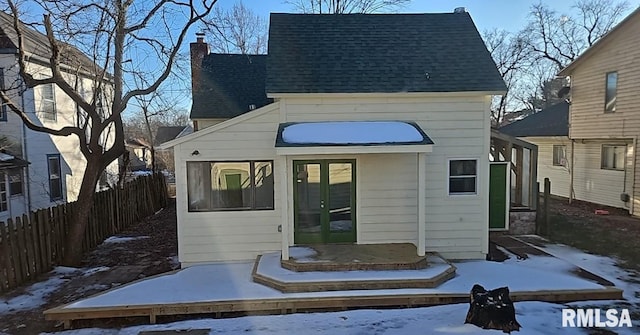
324	201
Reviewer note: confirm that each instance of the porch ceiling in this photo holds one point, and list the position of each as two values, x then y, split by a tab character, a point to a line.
351	137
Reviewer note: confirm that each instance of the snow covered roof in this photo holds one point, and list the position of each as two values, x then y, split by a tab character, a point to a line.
354	134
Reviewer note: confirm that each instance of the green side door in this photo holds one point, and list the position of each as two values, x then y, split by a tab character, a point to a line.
498	195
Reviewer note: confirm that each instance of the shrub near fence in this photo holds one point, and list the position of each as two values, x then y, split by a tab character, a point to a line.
32	244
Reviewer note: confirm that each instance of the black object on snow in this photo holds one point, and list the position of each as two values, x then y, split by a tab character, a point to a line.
492	309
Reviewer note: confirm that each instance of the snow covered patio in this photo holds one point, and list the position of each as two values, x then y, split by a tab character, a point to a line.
221	289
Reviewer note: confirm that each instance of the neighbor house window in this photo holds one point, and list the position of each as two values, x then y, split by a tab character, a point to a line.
48	102
611	92
216	186
613	156
3	106
559	155
15	182
463	175
55	177
3	193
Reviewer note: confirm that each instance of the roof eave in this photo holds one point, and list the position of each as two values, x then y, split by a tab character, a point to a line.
276	95
596	46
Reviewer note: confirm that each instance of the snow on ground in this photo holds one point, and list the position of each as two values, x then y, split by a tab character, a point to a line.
531	274
122	239
535	318
233	282
35	295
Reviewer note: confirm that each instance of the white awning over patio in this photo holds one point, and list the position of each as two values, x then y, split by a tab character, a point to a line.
351	137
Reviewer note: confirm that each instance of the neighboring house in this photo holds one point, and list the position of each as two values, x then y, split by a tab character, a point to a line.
139	152
603	124
164	157
378	133
549	130
55	164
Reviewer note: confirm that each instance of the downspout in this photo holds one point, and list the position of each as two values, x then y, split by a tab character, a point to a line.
571	168
25	154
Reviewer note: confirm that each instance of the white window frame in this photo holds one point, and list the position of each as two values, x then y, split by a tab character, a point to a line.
16	171
55	157
610	101
624	155
48	115
563	160
252	177
4	192
448	168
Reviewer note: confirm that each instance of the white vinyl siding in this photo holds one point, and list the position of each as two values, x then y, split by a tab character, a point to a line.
229	235
613	157
591	183
386	190
457	227
611	92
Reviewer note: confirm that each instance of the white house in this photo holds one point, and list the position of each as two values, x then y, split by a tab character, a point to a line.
55	164
378	133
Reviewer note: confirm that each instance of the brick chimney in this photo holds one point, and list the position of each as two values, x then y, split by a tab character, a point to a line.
198	49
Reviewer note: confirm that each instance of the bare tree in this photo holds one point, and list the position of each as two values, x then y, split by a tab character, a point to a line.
561	38
346	6
125	39
237	30
511	55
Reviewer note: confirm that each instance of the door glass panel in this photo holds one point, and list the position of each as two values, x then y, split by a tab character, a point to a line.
309	198
340	206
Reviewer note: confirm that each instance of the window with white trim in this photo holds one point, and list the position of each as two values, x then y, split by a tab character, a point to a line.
219	186
613	156
15	181
48	102
559	155
463	176
4	204
55	177
611	93
3	106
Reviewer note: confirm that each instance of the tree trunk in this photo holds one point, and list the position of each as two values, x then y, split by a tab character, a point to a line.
80	215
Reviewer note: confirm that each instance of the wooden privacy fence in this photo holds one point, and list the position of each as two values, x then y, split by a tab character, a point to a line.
32	244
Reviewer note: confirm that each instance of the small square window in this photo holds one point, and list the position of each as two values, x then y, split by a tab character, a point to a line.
463	177
611	93
613	157
559	155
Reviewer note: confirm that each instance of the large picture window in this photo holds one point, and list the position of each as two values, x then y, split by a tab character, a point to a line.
218	186
613	157
463	175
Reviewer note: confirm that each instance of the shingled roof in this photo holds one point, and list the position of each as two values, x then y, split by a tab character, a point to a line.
229	84
369	53
38	44
551	121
